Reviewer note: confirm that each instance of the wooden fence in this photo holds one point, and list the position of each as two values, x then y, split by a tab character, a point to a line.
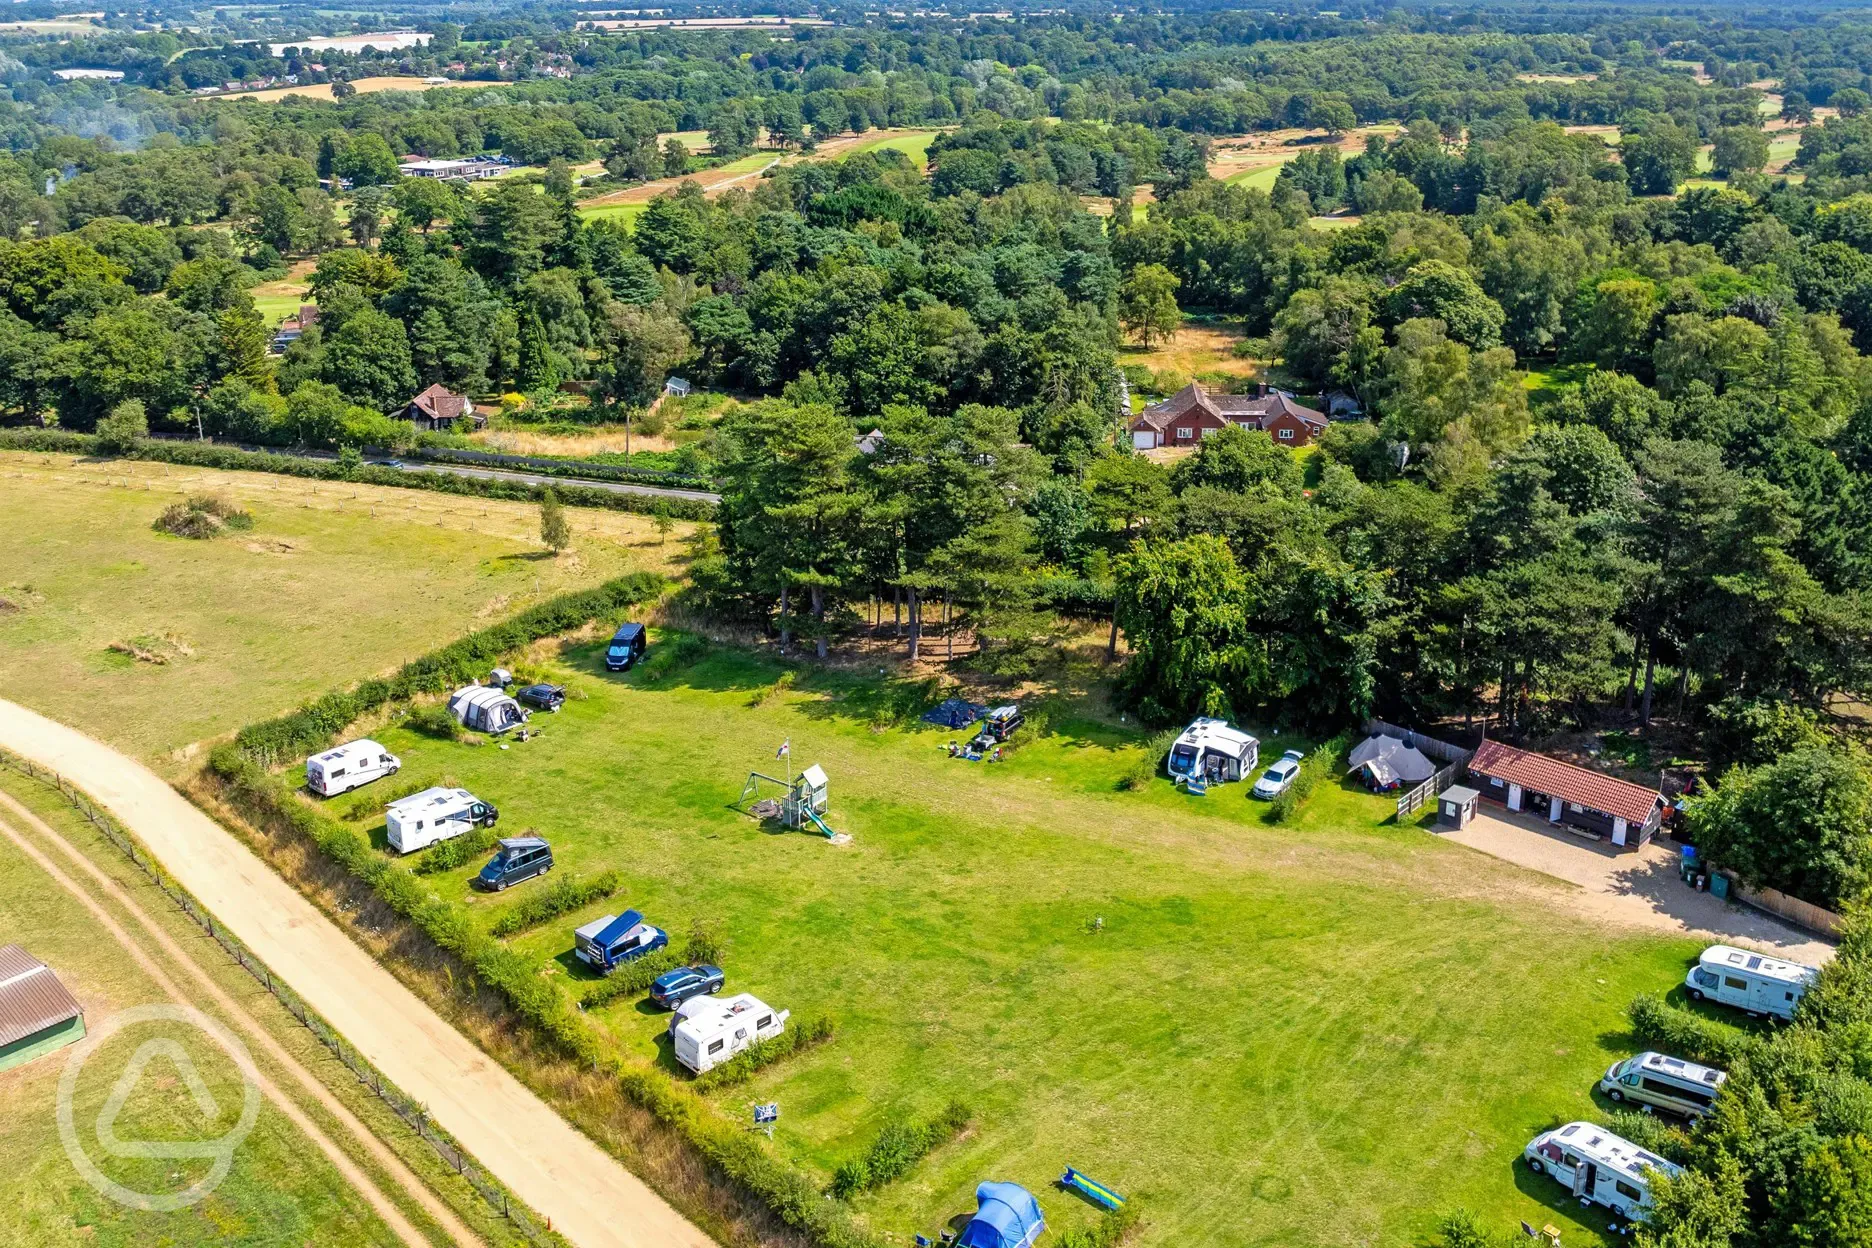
1793	909
1454	757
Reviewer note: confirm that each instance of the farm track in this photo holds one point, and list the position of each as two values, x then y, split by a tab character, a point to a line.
590	1198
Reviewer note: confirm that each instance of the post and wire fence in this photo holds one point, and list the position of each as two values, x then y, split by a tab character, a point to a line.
412	1113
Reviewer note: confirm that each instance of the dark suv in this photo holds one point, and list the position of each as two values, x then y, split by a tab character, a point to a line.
672	988
544	697
627	646
519	858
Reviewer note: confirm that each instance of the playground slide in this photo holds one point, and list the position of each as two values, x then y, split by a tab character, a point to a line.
1091	1189
822	825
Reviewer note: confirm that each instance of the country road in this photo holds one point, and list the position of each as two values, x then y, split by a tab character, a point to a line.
592	1199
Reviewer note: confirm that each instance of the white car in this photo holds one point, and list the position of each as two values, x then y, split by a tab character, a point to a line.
1274	780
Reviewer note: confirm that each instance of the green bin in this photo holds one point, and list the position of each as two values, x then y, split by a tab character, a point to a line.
1719	885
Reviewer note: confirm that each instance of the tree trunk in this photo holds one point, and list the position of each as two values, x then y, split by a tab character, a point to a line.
897	610
818	611
916	624
1683	688
786	628
1631	673
1111	643
948	624
1650	675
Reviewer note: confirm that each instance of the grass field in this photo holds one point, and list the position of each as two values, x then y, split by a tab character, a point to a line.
322	90
914	144
280	1190
624	214
334	583
1326	1033
1258	179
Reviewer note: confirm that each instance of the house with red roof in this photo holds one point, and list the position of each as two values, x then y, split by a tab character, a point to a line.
440	408
1575	797
1192	414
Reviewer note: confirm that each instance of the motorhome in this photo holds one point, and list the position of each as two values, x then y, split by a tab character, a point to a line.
708	1031
1655	1081
1754	982
1599	1167
349	766
433	815
1212	751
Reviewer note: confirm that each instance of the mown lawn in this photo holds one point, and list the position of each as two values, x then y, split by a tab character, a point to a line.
1328	1033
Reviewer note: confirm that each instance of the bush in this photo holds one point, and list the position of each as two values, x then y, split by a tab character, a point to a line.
369	804
434	721
119	432
453	853
202	516
630	979
899	1146
1682	1034
1318	765
1112	1229
562	896
743	1065
1149	767
704	943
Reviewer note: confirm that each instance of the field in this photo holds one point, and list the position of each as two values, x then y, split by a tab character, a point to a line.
1199	347
280	1190
1323	1033
322	90
333	583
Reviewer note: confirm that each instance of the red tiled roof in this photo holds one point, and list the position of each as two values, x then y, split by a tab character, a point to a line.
441	403
31	997
1229	408
1630	802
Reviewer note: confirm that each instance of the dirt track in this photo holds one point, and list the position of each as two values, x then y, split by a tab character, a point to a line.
592	1199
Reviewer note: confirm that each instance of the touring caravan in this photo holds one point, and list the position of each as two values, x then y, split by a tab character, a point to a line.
1599	1167
1749	981
708	1031
434	815
348	767
1654	1081
1213	752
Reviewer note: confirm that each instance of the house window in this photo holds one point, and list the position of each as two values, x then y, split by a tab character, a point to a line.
1184	433
1208	433
1496	781
1286	435
1575	808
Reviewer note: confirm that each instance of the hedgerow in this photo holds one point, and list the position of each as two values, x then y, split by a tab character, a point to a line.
456	851
1112	1229
1682	1034
209	455
899	1146
756	1057
562	896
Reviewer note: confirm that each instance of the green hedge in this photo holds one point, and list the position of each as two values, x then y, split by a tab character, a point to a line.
757	1057
899	1146
1112	1229
562	896
209	455
630	979
1683	1034
313	725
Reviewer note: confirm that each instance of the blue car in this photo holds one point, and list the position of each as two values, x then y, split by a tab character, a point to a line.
672	988
520	858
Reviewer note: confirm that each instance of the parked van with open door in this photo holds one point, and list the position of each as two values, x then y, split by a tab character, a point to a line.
433	815
1753	982
1600	1167
1654	1081
349	766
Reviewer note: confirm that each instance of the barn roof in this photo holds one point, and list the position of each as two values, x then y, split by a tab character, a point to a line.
1630	802
31	997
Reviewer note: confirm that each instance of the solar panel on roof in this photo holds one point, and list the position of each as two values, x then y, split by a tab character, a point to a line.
1754	963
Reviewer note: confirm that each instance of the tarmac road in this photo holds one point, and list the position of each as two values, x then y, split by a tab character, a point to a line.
592	1199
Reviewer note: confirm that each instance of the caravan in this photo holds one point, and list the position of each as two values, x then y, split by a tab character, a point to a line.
1652	1080
1599	1167
1749	981
433	815
1211	752
348	767
707	1031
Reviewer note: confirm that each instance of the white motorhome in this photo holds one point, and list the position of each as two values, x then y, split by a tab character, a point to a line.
1655	1081
1749	981
1598	1166
349	766
1212	751
433	815
707	1031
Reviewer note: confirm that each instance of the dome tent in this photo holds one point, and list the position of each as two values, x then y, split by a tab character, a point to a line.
1008	1217
484	708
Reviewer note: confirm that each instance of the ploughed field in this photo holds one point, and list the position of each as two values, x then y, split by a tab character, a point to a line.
1324	1033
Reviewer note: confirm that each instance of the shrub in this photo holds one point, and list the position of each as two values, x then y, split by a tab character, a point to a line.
743	1065
1112	1229
202	516
562	896
1683	1034
704	943
899	1146
1318	765
434	721
370	803
453	853
120	431
1150	766
630	979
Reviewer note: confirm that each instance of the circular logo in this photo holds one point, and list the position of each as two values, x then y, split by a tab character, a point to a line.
219	1152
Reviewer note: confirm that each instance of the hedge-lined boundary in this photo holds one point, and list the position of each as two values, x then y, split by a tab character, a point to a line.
208	455
561	467
898	1147
312	726
1681	1033
237	773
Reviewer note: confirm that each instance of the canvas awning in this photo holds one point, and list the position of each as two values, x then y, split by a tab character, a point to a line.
1389	760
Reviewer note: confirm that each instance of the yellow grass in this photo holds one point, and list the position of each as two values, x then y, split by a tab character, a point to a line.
602	440
1196	349
322	90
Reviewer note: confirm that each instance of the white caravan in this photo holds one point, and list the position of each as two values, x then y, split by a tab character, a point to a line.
349	766
1213	752
707	1031
1598	1166
1653	1080
434	815
1749	981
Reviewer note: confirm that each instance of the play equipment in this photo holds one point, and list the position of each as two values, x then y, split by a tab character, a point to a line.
803	802
1091	1189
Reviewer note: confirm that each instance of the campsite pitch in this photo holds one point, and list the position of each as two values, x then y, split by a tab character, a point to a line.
1321	1033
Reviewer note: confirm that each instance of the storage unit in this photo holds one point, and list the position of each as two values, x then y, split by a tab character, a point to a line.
1457	806
433	815
37	1014
1754	982
1599	1167
349	766
707	1031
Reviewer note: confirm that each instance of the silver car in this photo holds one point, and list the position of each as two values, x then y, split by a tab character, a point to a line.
1276	779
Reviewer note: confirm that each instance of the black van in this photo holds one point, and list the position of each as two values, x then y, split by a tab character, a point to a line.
627	646
520	858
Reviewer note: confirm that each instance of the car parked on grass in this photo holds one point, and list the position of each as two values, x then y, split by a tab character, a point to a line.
606	943
672	988
542	697
1276	779
519	858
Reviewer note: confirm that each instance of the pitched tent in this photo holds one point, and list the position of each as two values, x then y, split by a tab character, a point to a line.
485	709
1008	1217
954	713
1388	762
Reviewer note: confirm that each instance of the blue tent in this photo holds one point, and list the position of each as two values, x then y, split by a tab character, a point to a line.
955	713
1009	1217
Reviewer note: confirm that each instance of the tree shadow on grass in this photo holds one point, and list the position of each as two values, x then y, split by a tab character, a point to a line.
528	556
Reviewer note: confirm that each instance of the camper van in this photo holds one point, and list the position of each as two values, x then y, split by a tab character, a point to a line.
1654	1081
1749	981
707	1031
606	943
349	767
627	646
1599	1167
434	815
1214	752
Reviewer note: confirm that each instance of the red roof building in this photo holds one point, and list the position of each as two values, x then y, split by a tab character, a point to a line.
1192	414
1577	797
440	408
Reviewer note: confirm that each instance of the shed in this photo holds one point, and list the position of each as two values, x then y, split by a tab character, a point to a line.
1388	762
1007	1216
37	1014
1578	798
484	708
1457	806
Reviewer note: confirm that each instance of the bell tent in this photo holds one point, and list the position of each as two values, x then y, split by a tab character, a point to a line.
1388	762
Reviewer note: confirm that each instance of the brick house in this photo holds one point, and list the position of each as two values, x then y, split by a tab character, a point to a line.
437	408
1192	414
